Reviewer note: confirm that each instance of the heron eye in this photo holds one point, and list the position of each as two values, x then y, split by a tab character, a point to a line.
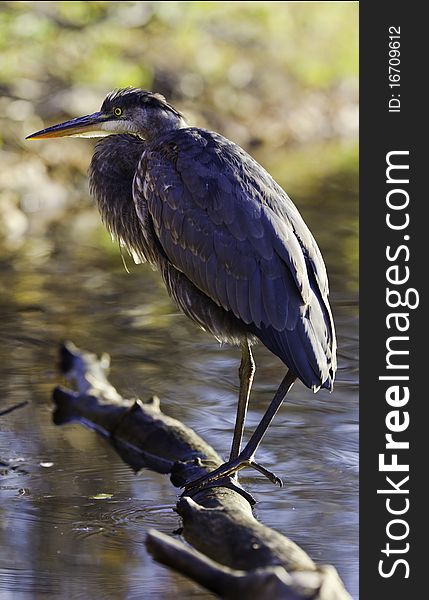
117	112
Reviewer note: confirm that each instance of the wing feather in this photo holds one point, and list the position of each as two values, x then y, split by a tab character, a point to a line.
235	234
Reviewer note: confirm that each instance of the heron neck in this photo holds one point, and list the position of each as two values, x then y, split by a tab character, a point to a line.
161	123
111	177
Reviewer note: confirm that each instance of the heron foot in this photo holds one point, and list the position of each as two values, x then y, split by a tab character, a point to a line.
231	483
230	469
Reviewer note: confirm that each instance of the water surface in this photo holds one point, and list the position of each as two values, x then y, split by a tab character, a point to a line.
73	517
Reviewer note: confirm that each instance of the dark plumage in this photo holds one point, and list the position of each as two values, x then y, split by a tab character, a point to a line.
214	214
232	248
129	98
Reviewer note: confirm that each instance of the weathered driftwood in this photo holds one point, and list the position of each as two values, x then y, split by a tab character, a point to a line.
229	551
10	409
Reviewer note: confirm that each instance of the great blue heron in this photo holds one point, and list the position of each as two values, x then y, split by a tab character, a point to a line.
231	247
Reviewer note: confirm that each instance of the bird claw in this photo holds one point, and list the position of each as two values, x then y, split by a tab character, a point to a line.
268	474
229	471
226	482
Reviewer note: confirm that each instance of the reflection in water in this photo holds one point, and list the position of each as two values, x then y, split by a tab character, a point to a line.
76	528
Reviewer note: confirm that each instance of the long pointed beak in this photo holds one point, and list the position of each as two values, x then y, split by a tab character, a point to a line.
80	127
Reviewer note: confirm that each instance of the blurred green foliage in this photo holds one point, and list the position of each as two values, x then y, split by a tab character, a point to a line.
279	78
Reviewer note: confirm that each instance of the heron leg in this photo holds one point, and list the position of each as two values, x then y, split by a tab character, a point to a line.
246	373
283	389
246	456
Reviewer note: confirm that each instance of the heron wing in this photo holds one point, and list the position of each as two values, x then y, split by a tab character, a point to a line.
223	221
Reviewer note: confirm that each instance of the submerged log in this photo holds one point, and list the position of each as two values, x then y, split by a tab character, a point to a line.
229	551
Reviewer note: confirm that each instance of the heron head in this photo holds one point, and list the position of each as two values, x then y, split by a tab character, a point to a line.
128	110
